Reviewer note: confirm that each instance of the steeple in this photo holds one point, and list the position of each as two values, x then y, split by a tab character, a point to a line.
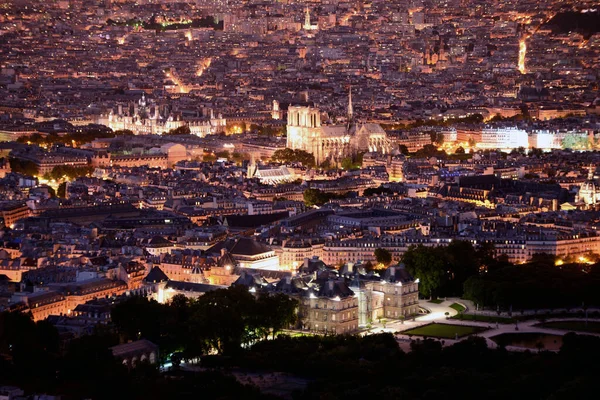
350	109
307	18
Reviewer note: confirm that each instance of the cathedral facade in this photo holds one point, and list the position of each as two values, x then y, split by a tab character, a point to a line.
332	142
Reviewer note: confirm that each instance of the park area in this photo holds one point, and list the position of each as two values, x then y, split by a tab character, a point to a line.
573	326
483	318
445	331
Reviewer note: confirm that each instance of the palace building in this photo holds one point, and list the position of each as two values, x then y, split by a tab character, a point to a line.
332	142
148	118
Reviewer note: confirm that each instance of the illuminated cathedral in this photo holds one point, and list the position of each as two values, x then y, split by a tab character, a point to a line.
332	142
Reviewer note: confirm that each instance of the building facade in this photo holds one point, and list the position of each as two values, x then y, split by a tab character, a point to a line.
332	142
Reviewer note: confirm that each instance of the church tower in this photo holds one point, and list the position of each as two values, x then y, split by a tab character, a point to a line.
275	114
307	25
304	129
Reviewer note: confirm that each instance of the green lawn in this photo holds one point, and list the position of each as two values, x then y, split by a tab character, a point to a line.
295	334
436	301
577	326
445	331
483	318
457	307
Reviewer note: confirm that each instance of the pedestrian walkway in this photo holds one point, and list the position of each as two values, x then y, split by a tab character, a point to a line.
437	314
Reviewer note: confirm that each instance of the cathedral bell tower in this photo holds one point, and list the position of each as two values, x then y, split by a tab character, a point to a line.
304	129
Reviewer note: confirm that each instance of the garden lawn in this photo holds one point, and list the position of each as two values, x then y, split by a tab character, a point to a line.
445	331
483	318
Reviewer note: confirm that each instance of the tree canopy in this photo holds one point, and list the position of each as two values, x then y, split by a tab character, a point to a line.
70	171
288	155
537	284
71	138
383	256
25	167
221	320
182	130
443	270
316	197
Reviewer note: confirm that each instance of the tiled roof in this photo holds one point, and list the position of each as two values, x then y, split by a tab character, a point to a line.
156	275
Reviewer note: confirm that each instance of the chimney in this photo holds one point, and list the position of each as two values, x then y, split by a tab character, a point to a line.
223	251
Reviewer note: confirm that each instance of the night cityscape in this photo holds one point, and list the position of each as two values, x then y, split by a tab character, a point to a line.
299	199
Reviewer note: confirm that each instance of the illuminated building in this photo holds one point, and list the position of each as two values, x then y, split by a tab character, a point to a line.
503	138
143	118
335	142
589	192
269	175
307	25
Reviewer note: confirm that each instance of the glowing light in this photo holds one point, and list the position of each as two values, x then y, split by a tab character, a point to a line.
203	66
182	88
522	54
558	263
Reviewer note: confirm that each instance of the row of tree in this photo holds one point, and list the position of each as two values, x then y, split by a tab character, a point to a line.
536	285
24	167
182	130
269	130
152	24
77	138
68	171
460	269
374	367
471	119
442	271
316	197
221	320
288	156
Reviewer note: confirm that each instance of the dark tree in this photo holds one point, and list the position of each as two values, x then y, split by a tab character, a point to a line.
383	256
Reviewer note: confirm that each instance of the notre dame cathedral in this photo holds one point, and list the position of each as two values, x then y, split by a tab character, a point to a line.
332	142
